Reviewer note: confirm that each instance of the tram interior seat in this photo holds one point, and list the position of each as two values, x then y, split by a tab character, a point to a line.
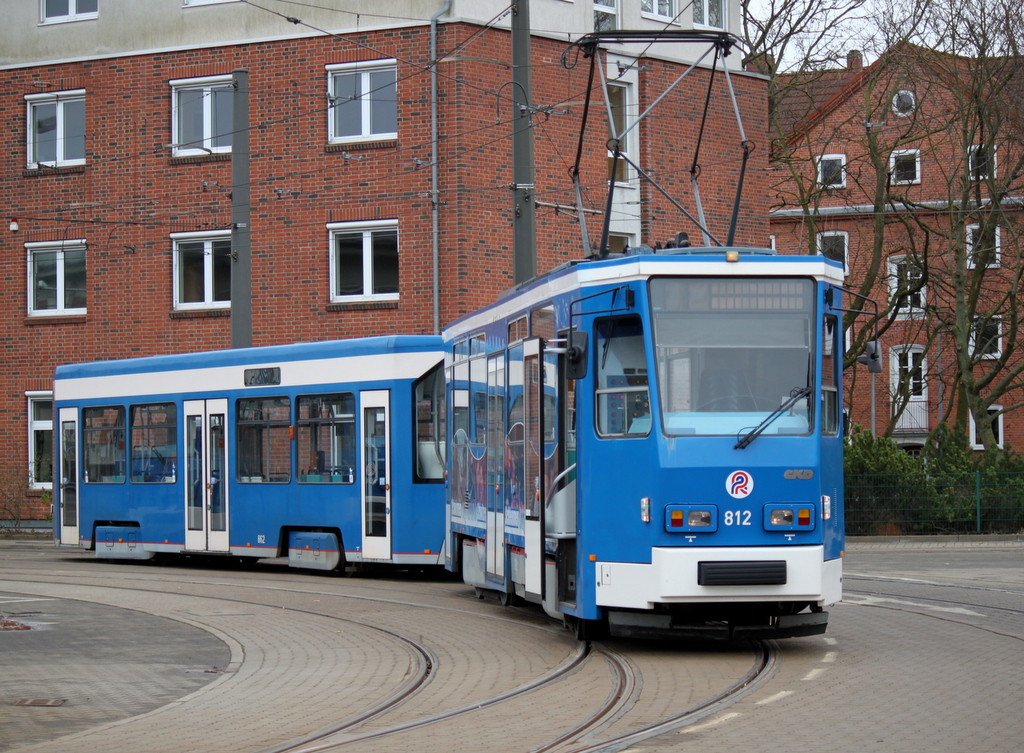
725	391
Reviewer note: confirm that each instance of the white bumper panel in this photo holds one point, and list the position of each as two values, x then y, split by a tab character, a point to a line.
672	577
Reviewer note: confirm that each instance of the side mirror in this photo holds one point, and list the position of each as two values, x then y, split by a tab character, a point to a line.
871	356
576	355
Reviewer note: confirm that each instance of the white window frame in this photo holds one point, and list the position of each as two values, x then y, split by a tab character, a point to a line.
364	69
704	7
819	175
61	99
654	12
193	3
911	309
36	425
820	245
628	119
366	229
610	8
913	103
973	428
992	165
900	154
59	248
71	15
969	232
206	84
207	239
895	354
973	340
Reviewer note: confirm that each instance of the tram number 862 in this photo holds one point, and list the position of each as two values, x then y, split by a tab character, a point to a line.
737	518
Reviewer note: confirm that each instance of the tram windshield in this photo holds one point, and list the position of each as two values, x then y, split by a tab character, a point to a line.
730	351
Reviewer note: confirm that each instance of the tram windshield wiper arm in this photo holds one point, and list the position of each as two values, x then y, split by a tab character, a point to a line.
754	433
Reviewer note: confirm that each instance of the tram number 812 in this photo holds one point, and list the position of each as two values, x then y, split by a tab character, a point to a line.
737	517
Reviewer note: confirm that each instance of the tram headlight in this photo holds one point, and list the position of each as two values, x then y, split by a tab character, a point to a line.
782	517
698	518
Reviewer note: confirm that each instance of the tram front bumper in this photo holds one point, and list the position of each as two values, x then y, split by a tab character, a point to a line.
710	574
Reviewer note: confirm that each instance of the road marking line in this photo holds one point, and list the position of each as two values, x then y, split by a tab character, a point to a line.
712	723
813	673
829	657
777	697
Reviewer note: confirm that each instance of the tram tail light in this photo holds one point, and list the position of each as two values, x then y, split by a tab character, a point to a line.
803	517
691	519
790	516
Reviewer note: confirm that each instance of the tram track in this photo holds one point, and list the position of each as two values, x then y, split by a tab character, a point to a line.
623	698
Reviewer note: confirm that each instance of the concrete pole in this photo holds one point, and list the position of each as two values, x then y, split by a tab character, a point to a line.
241	250
524	221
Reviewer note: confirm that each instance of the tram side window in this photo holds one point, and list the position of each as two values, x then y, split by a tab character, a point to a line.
623	400
264	447
103	455
327	438
429	429
154	435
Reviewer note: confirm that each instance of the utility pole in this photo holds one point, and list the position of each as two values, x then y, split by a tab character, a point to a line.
524	217
241	247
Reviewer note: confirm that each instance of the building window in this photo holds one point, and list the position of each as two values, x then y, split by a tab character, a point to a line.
981	162
909	369
986	337
905	166
906	290
833	244
980	251
619	102
364	261
56	129
40	440
363	101
606	15
202	116
832	171
904	102
659	8
709	13
202	270
996	417
59	11
56	278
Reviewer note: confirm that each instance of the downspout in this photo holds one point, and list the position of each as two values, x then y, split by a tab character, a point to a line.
435	194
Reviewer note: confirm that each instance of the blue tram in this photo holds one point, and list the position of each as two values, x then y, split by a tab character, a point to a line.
650	444
327	453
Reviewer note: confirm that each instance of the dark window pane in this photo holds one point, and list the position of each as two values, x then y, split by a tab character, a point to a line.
44	280
74	129
88	6
348	255
54	8
347	107
74	279
190	116
385	261
190	272
44	132
383	102
222	270
223	116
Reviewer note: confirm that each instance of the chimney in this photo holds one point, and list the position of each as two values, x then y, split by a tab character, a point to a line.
854	60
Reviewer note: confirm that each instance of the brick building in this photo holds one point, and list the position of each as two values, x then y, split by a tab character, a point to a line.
909	170
379	172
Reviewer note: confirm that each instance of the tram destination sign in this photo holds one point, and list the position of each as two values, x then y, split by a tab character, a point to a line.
263	377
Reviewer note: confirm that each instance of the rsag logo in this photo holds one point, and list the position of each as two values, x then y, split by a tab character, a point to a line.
739	484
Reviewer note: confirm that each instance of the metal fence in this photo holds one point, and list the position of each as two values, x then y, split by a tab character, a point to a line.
973	502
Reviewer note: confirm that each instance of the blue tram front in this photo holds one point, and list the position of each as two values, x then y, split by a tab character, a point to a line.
652	444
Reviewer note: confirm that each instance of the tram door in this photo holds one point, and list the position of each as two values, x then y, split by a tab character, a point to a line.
205	472
68	418
376	475
496	466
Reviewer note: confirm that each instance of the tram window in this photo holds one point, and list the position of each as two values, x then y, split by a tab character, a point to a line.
264	447
542	323
154	440
326	438
103	445
429	429
831	358
623	400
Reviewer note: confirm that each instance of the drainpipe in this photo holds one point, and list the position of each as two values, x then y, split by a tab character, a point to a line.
435	207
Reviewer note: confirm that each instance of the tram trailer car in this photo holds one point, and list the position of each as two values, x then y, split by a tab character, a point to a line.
651	444
328	453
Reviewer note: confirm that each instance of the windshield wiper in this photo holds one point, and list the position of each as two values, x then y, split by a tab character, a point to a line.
754	433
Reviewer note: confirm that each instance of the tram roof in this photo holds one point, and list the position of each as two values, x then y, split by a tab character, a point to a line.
260	356
690	262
